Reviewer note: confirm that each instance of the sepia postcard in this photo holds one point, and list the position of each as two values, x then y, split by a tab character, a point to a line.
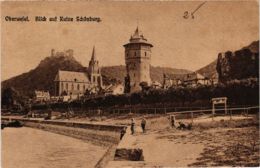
136	84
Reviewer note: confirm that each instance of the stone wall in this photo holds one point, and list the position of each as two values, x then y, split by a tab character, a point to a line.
98	134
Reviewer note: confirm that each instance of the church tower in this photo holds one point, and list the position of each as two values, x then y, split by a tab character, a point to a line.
137	59
94	70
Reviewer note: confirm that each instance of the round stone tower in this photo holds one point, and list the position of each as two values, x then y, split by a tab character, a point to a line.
137	59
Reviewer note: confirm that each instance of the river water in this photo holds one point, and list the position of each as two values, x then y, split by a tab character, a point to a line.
32	148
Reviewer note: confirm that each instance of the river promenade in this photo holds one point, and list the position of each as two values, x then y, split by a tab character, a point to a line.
209	143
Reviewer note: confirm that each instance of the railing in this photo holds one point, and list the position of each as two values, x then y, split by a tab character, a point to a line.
166	110
190	114
218	112
187	112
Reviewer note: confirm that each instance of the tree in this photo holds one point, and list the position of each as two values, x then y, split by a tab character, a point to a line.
144	86
127	84
8	96
87	92
64	93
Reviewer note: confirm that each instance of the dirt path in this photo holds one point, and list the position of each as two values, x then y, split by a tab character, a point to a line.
218	143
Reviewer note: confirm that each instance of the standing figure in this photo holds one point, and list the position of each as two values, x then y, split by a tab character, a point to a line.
143	123
49	113
132	126
99	112
172	121
122	133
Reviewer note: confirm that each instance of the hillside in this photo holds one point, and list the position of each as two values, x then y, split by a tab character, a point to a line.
240	64
42	77
253	47
209	70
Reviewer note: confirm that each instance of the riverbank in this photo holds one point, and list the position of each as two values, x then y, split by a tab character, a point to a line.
102	135
96	133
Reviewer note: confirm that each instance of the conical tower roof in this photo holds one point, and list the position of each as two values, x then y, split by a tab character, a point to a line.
138	37
138	34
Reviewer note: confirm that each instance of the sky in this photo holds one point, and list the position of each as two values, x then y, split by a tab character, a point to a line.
178	42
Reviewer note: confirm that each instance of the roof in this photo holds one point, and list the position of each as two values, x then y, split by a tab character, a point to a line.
193	76
93	57
138	38
156	83
112	87
71	76
39	93
137	34
175	76
185	77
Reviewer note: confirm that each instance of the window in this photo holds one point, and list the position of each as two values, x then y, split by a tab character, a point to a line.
67	86
72	86
78	87
145	53
94	79
84	87
61	86
135	53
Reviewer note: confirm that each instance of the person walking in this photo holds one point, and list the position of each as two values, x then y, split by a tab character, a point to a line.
143	123
132	126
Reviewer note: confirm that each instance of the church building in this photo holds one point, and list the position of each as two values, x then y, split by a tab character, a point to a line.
76	83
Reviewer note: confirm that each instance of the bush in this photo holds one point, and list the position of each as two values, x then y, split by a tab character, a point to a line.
242	92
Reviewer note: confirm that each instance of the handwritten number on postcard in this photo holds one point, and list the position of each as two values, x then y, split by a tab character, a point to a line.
187	15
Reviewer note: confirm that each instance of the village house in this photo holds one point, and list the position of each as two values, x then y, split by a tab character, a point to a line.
116	89
171	80
193	79
41	96
156	85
